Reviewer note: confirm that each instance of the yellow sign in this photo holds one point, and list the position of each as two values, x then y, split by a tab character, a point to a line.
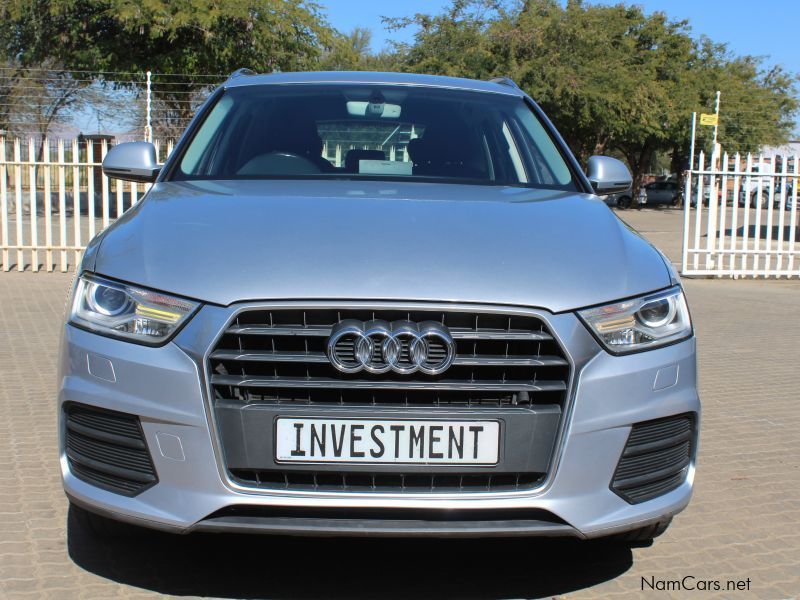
709	120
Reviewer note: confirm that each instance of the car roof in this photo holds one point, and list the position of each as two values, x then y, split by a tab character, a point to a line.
360	77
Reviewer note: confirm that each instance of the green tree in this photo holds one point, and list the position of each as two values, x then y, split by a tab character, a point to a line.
455	43
172	36
188	37
613	79
352	52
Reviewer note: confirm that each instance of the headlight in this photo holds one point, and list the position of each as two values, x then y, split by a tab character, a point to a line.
643	323
124	311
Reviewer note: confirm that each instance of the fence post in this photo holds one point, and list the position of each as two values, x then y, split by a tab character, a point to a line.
748	183
711	216
104	180
687	207
781	213
723	203
756	239
770	202
48	206
62	205
698	210
737	181
33	206
148	131
18	203
793	217
90	187
4	204
76	199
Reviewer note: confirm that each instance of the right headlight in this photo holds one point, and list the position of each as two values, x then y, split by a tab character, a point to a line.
642	323
128	312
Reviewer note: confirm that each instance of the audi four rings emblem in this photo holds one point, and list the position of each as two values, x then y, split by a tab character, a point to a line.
400	346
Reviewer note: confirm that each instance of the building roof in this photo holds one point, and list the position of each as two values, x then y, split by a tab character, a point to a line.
368	77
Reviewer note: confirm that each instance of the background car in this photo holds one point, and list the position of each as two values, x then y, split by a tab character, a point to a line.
622	199
764	201
663	192
658	192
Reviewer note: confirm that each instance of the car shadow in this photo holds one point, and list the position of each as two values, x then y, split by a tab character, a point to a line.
764	230
253	566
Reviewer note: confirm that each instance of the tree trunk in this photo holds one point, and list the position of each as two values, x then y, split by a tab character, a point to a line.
679	161
638	162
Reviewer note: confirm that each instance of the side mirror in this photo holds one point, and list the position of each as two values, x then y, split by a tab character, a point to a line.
132	161
608	175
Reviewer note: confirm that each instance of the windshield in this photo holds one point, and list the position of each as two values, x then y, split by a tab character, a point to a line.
373	132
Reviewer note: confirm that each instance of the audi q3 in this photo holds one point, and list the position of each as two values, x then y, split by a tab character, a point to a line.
375	304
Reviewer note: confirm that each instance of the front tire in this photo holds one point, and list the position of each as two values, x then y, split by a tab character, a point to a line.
624	202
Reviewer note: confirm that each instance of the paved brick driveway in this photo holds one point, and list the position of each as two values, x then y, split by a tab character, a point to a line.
741	524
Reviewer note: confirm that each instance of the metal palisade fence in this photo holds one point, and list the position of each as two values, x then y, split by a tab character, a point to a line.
54	198
740	212
740	217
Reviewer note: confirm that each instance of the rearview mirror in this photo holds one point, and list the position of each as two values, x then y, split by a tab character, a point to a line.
132	161
608	175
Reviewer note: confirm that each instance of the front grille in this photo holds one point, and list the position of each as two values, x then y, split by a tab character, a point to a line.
107	449
279	356
326	481
655	459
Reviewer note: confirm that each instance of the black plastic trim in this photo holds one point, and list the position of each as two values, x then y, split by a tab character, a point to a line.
107	475
665	471
351	522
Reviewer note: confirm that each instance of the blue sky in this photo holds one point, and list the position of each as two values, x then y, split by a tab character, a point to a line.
767	28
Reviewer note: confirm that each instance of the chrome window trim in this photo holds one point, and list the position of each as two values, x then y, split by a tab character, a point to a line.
576	366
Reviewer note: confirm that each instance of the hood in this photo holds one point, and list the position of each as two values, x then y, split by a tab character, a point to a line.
224	242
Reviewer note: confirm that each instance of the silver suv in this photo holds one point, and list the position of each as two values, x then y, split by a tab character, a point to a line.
375	304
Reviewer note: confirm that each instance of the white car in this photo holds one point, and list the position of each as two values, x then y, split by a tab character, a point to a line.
763	179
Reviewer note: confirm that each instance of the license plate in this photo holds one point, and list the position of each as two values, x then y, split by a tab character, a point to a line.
379	441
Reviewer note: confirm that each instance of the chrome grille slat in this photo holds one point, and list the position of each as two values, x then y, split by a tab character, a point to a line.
458	333
270	356
330	383
510	361
280	330
499	334
321	357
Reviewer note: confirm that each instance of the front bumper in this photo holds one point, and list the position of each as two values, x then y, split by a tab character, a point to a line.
166	388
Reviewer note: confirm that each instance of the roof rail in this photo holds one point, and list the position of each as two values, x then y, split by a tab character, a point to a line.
505	81
242	72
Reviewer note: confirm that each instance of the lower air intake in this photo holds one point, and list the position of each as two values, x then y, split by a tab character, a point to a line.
655	459
108	450
387	482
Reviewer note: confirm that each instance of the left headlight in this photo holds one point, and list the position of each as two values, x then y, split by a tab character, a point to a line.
642	323
129	312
